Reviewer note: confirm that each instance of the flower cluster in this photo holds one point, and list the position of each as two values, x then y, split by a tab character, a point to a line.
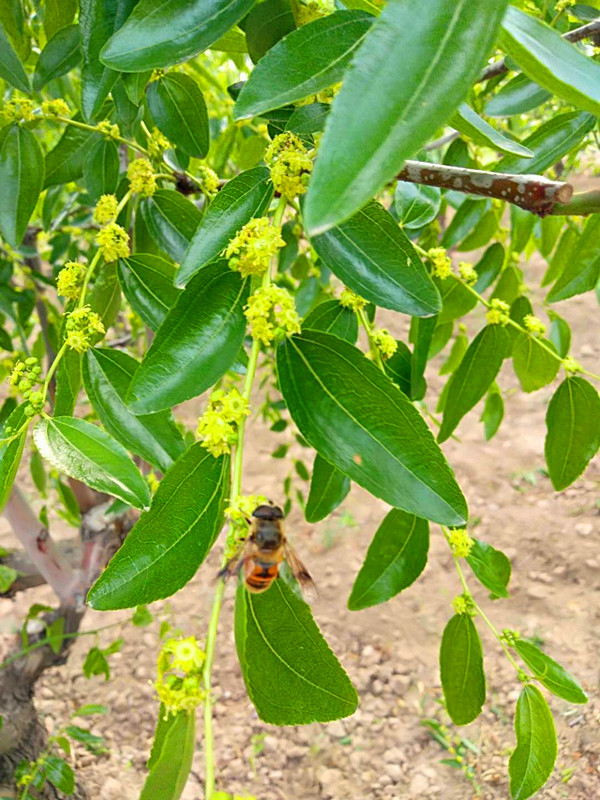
19	110
55	108
350	299
218	426
467	272
142	178
534	325
179	675
69	280
113	242
252	248
498	313
461	543
441	265
290	165
157	143
385	343
106	209
239	512
563	5
208	178
308	10
108	129
83	329
463	604
25	375
272	314
571	365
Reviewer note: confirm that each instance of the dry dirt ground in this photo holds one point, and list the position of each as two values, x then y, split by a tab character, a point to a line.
390	651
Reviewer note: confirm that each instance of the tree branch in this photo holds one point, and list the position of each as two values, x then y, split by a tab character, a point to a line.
531	192
589	31
581	204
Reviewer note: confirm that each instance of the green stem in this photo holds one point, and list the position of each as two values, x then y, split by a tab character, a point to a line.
84	126
52	369
375	354
88	275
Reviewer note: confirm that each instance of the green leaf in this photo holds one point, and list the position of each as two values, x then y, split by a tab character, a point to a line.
522	223
291	675
470	124
83	451
266	24
107	374
8	576
493	414
308	119
59	773
105	297
142	617
376	259
178	109
468	214
61	54
459	348
169	542
11	69
68	383
91	742
533	759
549	60
549	673
163	32
305	62
491	567
457	300
395	559
245	196
21	178
518	96
101	169
476	372
562	255
582	267
197	342
89	709
407	78
416	205
172	761
573	431
332	317
97	22
534	365
356	418
399	367
461	670
560	334
147	282
64	163
421	333
58	14
171	220
328	488
11	452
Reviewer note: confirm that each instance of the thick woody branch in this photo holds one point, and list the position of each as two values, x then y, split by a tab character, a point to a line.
589	31
531	192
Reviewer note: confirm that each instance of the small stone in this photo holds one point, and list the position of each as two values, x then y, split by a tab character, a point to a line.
336	730
586	350
377	687
418	785
384	780
584	528
393	756
394	771
537	592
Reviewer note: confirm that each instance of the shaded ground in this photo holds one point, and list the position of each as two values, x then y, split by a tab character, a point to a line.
390	651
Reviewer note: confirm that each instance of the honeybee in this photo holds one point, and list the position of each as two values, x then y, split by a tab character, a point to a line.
261	554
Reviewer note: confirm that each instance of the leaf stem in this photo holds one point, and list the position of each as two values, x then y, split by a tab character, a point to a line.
375	354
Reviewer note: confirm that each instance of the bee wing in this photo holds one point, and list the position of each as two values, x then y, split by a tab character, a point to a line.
234	565
301	574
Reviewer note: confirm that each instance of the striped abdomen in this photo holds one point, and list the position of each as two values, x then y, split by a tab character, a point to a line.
260	574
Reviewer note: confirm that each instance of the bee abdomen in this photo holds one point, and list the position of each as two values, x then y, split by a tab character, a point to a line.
261	577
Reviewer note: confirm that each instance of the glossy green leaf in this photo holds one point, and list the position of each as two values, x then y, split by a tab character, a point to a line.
560	334
332	317
328	488
59	773
376	259
21	179
407	78
98	19
291	675
308	119
459	348
172	756
582	267
534	365
422	330
11	452
441	336
178	109
549	673
399	367
395	559
550	230
147	282
482	233
492	414
550	142
305	62
518	96
522	223
470	124
61	54
169	542
562	255
83	451
11	69
533	759
573	431
267	23
461	670
171	220
105	296
245	196
64	163
468	214
491	567
163	32
509	285
476	372
197	342
68	383
457	300
107	375
416	205
549	60
101	169
356	418
58	14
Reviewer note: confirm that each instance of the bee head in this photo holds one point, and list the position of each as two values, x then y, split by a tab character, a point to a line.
268	512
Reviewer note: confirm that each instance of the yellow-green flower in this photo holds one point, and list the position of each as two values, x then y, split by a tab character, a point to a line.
19	110
309	10
113	242
218	426
350	299
499	313
290	165
467	272
251	250
180	692
385	343
570	365
69	280
108	129
441	265
83	328
461	543
157	143
463	604
272	314
208	178
55	108
106	209
534	325
142	178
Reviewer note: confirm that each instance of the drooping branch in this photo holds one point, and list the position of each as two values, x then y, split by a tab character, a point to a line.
589	31
530	192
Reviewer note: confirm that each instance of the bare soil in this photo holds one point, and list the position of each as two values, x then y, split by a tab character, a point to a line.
390	651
